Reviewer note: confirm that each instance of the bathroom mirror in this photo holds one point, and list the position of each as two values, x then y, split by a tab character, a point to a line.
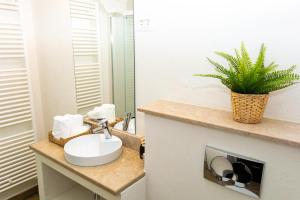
103	53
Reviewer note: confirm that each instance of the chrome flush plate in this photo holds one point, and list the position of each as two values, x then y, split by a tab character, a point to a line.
233	171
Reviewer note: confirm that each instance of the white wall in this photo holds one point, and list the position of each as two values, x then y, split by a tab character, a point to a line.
175	158
183	33
32	62
55	58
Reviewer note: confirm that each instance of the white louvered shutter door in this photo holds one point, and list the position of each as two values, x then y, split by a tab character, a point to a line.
17	162
85	37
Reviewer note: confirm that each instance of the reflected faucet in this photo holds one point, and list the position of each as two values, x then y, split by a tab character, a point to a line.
103	128
126	121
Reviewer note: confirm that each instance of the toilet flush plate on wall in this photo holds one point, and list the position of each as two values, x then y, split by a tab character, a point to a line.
233	171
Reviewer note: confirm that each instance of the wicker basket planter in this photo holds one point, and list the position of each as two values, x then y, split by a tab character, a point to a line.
248	108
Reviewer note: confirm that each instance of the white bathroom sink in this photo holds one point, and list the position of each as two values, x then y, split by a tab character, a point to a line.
92	150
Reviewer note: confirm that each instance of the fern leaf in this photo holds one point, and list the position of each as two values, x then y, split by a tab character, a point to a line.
225	81
245	55
271	67
261	58
210	76
230	59
242	71
218	67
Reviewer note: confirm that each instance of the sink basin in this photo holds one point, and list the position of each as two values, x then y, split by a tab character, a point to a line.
92	150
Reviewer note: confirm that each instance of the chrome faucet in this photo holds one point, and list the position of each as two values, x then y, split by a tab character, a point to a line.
126	121
103	128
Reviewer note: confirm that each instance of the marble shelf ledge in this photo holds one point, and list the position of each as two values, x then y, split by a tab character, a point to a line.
273	130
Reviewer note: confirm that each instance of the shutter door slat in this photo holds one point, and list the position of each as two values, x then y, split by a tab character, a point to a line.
17	161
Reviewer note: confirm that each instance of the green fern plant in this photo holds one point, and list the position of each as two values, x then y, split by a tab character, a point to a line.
247	77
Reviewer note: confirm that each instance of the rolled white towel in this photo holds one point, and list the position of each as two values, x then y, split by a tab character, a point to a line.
76	122
67	126
106	111
110	112
61	127
96	113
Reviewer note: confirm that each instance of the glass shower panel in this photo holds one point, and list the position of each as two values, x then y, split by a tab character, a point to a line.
129	64
122	33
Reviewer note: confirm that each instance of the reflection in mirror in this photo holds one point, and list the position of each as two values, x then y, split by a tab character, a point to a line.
103	51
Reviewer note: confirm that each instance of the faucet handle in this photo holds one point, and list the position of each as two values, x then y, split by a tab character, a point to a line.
103	122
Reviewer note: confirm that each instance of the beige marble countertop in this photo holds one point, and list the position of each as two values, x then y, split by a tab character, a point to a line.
270	129
114	177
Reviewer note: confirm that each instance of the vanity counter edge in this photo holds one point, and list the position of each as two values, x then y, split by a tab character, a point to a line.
270	129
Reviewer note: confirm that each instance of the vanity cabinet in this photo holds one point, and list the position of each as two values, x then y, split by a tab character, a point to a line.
122	179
